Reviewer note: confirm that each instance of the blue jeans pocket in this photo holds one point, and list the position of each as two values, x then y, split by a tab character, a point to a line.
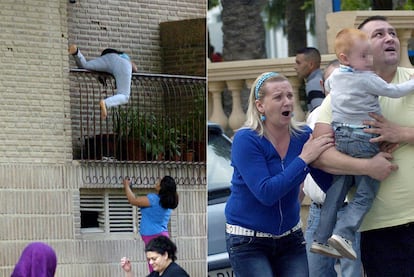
236	242
355	143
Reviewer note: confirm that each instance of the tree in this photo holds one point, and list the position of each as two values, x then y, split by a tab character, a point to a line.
291	15
296	26
243	30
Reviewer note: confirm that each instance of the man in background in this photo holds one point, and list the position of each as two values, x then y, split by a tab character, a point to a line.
307	66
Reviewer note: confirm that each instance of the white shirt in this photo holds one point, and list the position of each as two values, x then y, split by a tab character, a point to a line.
310	188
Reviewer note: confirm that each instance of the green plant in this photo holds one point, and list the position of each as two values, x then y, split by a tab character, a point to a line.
172	141
195	122
131	124
157	135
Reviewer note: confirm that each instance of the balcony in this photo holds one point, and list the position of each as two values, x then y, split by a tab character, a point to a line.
163	125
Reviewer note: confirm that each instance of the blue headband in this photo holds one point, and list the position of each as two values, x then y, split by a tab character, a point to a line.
261	81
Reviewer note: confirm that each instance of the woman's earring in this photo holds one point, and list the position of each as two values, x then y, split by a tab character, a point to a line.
262	117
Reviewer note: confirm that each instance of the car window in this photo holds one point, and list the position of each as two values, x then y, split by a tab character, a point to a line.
219	170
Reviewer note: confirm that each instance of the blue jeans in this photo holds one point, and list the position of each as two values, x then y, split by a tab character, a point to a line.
320	265
355	143
388	252
268	257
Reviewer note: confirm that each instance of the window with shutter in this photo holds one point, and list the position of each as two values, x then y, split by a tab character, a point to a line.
92	210
120	214
107	211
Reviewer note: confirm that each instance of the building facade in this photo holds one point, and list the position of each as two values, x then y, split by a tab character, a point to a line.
45	193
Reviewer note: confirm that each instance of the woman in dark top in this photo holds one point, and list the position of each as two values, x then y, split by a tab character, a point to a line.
160	253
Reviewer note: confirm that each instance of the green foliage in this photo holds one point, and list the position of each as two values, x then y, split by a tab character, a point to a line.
213	3
153	132
171	141
352	5
409	5
275	13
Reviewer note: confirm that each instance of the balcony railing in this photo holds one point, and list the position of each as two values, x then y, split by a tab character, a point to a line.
164	120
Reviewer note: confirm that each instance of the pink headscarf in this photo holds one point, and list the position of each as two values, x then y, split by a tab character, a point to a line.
37	260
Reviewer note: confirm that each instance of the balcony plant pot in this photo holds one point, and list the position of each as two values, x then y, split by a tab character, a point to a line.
189	155
130	149
200	151
99	146
136	131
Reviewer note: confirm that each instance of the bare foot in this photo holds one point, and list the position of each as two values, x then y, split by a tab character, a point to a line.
73	49
103	109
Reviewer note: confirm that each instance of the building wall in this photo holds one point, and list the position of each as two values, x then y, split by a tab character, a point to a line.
39	181
34	82
131	26
183	46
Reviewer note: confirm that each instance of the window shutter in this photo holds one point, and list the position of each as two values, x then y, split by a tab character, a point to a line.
121	219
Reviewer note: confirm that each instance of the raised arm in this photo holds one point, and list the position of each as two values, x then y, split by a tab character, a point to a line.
126	266
376	85
140	201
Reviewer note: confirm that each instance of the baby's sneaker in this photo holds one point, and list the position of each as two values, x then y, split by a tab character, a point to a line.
343	246
324	249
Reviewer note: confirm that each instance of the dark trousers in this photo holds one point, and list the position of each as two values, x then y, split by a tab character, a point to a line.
388	252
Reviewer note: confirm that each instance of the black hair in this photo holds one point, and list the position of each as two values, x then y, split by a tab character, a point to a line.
168	193
161	245
372	18
110	50
310	52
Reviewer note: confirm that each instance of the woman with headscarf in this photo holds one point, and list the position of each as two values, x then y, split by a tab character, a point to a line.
37	260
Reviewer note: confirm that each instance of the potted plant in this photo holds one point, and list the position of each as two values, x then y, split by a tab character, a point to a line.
134	132
195	126
171	142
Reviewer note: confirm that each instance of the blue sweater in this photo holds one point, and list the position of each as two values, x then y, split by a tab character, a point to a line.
265	188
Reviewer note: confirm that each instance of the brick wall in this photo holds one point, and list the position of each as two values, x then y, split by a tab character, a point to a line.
41	203
39	181
34	111
130	26
183	46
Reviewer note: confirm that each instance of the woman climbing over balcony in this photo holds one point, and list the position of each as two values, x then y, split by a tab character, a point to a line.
114	62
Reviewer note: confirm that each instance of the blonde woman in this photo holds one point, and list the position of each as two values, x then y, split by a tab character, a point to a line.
270	156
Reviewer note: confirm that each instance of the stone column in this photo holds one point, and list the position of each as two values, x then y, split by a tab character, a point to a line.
404	35
237	116
217	113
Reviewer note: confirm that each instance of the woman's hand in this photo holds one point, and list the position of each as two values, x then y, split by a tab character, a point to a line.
126	182
315	146
126	264
134	67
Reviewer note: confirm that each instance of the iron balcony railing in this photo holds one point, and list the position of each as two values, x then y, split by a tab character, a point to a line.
164	120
